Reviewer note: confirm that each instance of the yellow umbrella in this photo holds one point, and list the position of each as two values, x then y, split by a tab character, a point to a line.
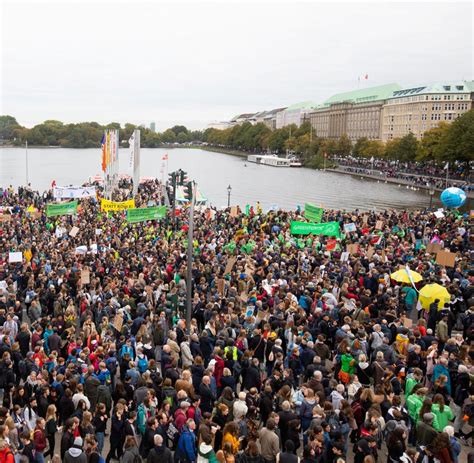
402	276
429	293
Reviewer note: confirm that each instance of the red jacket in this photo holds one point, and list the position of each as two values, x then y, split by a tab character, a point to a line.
6	456
39	439
218	370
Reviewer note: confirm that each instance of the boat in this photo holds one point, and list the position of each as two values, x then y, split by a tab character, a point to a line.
269	160
294	162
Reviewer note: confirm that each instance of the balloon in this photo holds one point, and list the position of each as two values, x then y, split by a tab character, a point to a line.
453	197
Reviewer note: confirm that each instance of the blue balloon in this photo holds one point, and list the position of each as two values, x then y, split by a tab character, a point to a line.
453	197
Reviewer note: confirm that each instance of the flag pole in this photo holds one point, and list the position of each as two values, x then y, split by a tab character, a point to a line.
447	173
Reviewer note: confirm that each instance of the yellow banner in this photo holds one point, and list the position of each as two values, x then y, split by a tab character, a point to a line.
113	206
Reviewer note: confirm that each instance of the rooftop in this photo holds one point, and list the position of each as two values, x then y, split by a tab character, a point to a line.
461	86
364	95
302	105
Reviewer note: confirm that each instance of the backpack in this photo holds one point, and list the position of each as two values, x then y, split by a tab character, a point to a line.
334	424
142	364
23	369
101	459
111	364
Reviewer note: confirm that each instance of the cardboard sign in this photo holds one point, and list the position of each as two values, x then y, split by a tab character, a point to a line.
85	277
438	214
35	215
446	258
14	257
118	322
220	286
344	256
5	217
230	265
234	211
433	248
352	248
407	322
379	225
365	219
370	252
74	231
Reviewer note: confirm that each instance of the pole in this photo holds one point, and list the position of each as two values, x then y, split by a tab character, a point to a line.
26	158
173	200
189	270
447	173
228	198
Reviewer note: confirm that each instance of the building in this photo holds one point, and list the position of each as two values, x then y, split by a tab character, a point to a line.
357	114
241	118
294	114
268	117
219	125
152	126
420	108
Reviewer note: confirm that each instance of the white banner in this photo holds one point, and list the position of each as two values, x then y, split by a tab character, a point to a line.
79	192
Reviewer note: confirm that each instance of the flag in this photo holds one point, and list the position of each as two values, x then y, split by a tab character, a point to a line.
165	157
104	157
53	184
366	77
446	167
131	143
372	159
107	151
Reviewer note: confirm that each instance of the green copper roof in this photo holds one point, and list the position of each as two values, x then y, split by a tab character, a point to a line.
302	105
455	87
364	95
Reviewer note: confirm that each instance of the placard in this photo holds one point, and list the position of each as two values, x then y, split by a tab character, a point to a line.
407	322
85	277
118	322
234	211
98	231
230	265
344	256
74	231
14	257
220	286
350	227
446	258
370	252
438	214
5	217
352	248
379	225
433	247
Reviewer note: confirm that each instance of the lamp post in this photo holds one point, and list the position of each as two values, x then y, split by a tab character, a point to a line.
229	189
432	192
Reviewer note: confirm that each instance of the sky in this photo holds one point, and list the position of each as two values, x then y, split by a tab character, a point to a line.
196	62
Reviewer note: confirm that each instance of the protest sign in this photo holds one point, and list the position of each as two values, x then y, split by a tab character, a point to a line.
446	258
54	210
114	206
14	257
344	256
305	228
74	231
70	192
433	247
220	286
146	213
379	225
313	213
438	214
234	211
5	217
353	248
350	227
118	322
85	277
230	265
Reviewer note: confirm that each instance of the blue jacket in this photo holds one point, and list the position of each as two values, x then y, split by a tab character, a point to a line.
187	445
439	370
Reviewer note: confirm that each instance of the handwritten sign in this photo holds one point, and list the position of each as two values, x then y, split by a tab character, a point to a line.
379	225
85	277
230	265
446	258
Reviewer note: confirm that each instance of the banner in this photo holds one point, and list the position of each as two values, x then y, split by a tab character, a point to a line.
70	192
53	210
305	228
113	206
313	213
145	213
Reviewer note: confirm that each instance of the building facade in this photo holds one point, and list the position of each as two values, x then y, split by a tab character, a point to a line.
418	109
294	114
356	114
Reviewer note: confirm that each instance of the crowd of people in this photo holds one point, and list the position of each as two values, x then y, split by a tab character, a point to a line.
418	174
296	352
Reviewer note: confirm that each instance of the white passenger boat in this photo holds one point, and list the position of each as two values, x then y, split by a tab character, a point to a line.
269	160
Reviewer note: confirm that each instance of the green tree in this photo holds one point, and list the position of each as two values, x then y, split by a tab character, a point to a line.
344	146
408	147
430	146
457	143
372	148
182	137
168	136
8	125
177	129
359	146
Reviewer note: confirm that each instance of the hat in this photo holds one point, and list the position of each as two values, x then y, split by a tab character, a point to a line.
78	442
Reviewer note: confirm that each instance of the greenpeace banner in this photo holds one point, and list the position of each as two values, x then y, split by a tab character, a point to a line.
305	228
53	210
313	213
114	206
73	192
145	213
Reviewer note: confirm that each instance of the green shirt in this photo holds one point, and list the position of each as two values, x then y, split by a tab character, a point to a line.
410	295
443	417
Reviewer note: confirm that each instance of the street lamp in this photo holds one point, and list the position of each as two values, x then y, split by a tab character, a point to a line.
432	192
229	189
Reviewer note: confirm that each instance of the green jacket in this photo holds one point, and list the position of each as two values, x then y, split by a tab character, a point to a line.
348	364
414	404
442	418
409	385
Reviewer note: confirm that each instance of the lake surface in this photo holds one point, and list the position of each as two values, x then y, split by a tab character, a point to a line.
272	186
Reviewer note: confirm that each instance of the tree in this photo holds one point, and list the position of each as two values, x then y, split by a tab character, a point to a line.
359	146
8	125
372	148
457	143
177	129
402	149
344	146
182	137
430	146
168	136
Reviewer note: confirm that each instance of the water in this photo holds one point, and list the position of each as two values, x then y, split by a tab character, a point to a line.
283	187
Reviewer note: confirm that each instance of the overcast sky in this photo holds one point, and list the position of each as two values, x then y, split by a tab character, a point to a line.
197	62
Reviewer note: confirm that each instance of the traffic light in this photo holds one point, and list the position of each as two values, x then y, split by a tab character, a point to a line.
172	177
188	191
182	177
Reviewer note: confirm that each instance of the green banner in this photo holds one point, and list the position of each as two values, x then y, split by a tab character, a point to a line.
313	213
53	210
305	228
145	213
